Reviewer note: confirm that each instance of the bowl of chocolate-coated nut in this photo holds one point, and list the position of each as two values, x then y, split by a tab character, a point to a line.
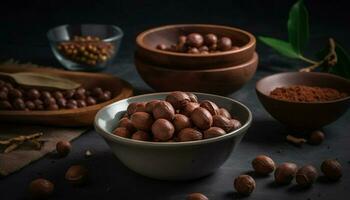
173	136
85	47
195	46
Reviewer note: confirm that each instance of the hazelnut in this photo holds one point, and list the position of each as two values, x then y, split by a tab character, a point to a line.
15	93
263	165
69	94
57	95
332	169
202	118
141	121
49	101
194	40
189	134
5	105
77	175
193	50
18	104
306	176
140	135
223	122
203	49
30	105
81	103
62	102
210	39
210	106
244	184
196	196
285	173
107	95
122	132
63	148
193	97
162	47
33	94
316	137
136	107
125	122
90	101
225	113
45	94
41	188
213	132
178	99
163	110
225	44
150	105
3	95
181	121
97	92
189	108
163	130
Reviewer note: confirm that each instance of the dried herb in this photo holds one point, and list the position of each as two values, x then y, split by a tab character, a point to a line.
333	59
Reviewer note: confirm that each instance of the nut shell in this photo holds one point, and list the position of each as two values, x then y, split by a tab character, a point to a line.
306	176
210	106
263	165
178	99
332	169
163	110
41	188
196	196
202	118
285	173
141	121
77	175
213	132
244	184
163	130
189	134
181	121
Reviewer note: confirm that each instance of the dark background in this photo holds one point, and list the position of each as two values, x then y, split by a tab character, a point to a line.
23	37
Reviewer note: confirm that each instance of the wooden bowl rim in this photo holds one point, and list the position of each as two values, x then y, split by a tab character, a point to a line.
250	62
142	35
319	74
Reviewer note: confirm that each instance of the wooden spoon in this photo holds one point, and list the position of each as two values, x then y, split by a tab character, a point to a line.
41	80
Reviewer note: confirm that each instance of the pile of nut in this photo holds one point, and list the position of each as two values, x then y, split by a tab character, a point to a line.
179	118
196	43
284	173
88	50
14	97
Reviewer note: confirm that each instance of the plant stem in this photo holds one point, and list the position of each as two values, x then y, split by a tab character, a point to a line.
308	60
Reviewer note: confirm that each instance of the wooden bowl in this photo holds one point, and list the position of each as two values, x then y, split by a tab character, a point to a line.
303	116
217	81
68	117
148	40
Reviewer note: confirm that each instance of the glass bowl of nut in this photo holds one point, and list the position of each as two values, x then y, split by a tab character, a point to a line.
85	47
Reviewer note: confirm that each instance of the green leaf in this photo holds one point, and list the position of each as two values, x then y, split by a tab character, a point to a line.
280	46
298	26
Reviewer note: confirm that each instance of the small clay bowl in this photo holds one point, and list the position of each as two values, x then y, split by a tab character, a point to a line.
303	116
218	81
172	160
148	40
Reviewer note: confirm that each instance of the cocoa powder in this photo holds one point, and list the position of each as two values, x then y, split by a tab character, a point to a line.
302	93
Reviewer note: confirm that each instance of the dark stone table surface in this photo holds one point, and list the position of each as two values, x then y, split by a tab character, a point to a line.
23	38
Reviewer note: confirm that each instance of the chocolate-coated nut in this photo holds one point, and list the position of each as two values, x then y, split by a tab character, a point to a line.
223	122
81	103
57	95
18	104
41	188
62	102
194	40
316	137
77	175
49	101
193	50
15	93
332	169
196	196
125	122
3	95
203	49
225	44
244	184
163	130
33	94
189	134
30	105
163	110
96	92
285	173
5	105
141	121
178	99
45	94
181	121
52	107
193	97
122	132
263	165
136	107
202	118
306	176
225	113
90	101
150	105
210	106
161	47
69	94
213	132
63	148
210	39
189	108
140	135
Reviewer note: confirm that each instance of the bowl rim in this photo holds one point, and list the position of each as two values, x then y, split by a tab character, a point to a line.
139	40
117	36
149	144
254	59
320	74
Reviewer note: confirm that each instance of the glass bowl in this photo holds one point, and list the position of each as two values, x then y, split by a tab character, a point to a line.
71	45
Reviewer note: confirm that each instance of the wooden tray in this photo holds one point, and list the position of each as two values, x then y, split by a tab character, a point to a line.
72	117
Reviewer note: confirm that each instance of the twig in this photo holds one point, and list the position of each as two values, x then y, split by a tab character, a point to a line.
13	143
295	140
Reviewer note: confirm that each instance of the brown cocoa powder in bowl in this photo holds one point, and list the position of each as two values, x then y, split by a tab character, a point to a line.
308	94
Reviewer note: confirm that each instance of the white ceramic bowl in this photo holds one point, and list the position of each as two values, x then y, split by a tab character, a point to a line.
177	160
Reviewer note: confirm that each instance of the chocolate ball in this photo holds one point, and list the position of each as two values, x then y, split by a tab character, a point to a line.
189	134
181	121
306	176
244	184
81	103
3	95
57	95
49	101
178	99
106	96
30	105
194	40
45	94
203	49
63	148
140	135
52	107
163	130
41	188
162	47
163	110
15	93
18	104
33	94
77	175
97	92
69	94
90	101
210	39
79	94
332	169
196	196
5	105
263	165
62	102
210	106
193	50
142	121
224	44
122	132
202	118
316	137
285	173
213	132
